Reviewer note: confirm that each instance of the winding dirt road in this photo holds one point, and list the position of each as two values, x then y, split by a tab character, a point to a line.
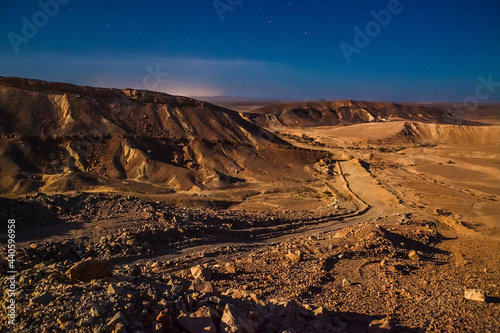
374	202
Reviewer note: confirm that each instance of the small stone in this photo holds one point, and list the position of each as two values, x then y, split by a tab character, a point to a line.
234	320
90	269
57	277
294	256
318	311
135	270
413	255
85	322
39	267
68	326
97	311
475	295
157	327
165	320
199	321
43	299
203	287
120	328
177	289
230	268
117	318
61	320
201	273
381	326
346	283
113	289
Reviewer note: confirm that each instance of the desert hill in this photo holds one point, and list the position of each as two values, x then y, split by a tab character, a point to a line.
349	112
45	109
59	137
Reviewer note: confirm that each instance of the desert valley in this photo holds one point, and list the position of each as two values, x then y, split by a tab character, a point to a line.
139	211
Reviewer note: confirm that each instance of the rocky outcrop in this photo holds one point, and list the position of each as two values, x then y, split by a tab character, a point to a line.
347	113
57	137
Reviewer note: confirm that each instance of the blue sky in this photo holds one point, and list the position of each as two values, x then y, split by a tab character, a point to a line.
432	50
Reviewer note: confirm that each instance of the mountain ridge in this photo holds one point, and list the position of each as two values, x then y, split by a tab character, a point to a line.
61	137
346	112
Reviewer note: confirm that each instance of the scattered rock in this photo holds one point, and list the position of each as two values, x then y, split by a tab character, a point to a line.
58	277
230	268
475	295
413	255
62	319
97	311
135	270
165	320
381	326
201	273
117	318
294	256
113	289
43	299
203	287
234	320
85	322
68	326
319	311
157	327
177	289
120	328
199	321
90	269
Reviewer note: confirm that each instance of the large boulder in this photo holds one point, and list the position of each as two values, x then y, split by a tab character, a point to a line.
197	322
201	273
90	269
475	295
234	321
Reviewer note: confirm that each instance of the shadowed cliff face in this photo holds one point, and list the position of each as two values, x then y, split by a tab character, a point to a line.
60	137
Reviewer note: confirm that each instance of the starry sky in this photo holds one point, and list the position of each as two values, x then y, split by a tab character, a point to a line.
377	50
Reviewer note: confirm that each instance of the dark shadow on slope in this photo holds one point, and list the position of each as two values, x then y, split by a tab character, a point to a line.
33	220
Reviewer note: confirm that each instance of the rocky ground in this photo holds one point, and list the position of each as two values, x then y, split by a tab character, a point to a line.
404	272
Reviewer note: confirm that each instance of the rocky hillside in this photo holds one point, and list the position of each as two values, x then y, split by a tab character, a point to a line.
59	137
450	134
347	113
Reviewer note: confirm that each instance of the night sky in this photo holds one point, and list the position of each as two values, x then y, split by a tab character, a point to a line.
427	50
